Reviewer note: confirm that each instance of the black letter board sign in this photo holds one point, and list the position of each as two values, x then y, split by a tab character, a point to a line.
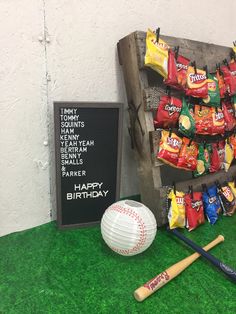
88	155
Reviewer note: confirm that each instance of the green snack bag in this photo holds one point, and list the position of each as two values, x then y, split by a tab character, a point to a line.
213	98
203	159
186	120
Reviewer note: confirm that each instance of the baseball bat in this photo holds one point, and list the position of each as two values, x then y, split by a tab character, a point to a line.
170	273
228	271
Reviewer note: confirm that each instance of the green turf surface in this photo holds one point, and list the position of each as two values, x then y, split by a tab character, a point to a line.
45	270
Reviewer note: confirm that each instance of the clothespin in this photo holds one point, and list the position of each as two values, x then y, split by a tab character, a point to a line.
157	34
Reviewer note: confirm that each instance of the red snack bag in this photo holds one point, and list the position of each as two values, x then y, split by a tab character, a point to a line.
197	85
214	159
218	126
182	67
168	112
188	155
203	119
194	210
169	148
221	83
221	152
228	111
229	79
171	79
232	141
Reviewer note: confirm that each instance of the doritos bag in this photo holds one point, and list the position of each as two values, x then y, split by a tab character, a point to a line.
203	119
213	98
215	162
186	120
168	112
228	111
221	83
194	210
218	126
176	214
196	83
172	79
229	155
211	203
169	148
156	56
188	155
226	198
182	67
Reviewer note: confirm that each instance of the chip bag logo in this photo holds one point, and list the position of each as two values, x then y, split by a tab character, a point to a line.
212	199
172	109
173	142
211	85
219	116
233	73
197	78
179	200
181	66
161	45
227	193
203	112
196	205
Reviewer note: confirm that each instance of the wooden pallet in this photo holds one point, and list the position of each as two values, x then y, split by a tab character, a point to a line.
143	88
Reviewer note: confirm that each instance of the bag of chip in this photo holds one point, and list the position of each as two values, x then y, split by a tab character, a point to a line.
233	101
194	209
168	112
172	79
221	82
156	56
221	152
228	112
203	159
169	148
182	67
218	118
203	119
186	120
232	68
176	213
232	140
232	185
213	98
229	79
226	198
215	159
229	155
211	203
188	155
196	83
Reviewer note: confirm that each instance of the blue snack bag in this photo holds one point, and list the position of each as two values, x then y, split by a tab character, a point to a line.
211	203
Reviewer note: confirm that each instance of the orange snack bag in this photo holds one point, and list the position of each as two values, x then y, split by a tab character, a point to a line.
203	119
218	126
188	155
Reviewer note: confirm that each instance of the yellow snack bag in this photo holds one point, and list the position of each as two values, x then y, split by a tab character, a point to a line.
156	56
232	187
229	156
176	214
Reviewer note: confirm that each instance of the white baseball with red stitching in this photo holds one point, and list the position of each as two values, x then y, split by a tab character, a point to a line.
128	227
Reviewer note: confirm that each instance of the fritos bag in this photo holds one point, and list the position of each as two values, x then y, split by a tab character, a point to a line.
218	118
227	199
186	120
194	210
168	112
203	159
172	79
182	67
228	111
176	214
196	83
211	203
169	148
156	56
188	155
213	97
229	155
215	159
221	83
203	119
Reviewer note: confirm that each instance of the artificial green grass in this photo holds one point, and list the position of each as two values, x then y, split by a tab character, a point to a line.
46	270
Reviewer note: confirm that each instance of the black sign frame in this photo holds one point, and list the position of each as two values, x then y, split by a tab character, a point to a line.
115	110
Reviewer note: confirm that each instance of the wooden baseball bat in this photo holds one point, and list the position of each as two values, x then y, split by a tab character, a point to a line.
170	273
228	271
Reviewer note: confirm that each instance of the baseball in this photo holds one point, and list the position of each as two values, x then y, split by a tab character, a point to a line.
128	227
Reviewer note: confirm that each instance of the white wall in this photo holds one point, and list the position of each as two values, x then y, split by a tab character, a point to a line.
79	62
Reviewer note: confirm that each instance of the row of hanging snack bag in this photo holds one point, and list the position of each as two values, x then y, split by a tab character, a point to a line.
200	158
193	209
182	74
